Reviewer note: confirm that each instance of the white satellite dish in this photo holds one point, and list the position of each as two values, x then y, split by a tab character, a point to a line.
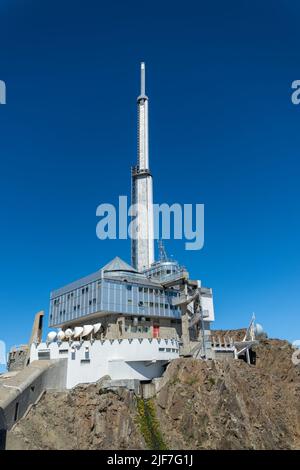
61	335
97	327
51	336
68	333
259	331
77	331
87	329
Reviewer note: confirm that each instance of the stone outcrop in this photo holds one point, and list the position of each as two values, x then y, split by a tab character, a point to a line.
198	405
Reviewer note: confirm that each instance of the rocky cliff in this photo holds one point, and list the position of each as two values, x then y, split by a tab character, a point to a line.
199	405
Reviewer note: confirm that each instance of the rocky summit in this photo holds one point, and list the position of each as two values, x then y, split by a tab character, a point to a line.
198	405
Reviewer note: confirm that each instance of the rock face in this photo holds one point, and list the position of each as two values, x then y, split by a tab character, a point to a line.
199	405
83	418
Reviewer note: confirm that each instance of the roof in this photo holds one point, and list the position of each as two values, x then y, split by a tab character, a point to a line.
117	264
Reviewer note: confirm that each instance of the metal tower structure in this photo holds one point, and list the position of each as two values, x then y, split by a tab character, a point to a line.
142	246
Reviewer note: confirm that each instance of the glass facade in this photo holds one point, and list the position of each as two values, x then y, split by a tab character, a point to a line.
113	296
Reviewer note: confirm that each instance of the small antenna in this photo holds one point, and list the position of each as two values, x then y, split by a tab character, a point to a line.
162	251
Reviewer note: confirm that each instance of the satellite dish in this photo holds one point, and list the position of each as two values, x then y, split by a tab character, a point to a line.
61	335
97	327
51	336
77	331
68	333
87	329
259	331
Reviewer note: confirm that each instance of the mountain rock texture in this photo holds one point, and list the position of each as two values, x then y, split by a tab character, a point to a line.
199	405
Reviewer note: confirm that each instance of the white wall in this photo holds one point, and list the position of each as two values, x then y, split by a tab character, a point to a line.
207	304
121	359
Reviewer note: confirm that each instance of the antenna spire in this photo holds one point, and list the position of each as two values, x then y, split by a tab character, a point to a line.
143	79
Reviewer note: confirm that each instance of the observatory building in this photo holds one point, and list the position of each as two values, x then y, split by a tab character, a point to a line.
128	321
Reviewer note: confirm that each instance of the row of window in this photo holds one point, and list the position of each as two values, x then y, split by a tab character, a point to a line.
84	290
77	307
167	350
146	290
155	304
154	291
161	273
137	329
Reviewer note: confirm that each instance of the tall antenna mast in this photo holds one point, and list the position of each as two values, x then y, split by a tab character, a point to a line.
143	79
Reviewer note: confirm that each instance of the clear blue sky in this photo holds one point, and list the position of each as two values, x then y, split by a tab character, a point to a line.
223	132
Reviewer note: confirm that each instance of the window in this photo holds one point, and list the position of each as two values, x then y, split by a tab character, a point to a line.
16	411
145	289
140	303
94	301
166	305
129	301
86	289
151	291
161	305
72	294
168	271
90	302
145	329
68	296
161	349
63	351
140	289
78	306
74	308
151	304
129	287
83	290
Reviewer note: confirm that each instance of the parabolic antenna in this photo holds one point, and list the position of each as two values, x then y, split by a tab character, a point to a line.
61	335
97	327
77	331
259	331
87	329
51	336
68	333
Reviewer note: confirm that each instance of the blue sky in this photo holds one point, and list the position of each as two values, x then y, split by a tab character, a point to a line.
223	132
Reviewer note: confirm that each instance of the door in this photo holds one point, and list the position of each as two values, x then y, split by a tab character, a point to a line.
155	331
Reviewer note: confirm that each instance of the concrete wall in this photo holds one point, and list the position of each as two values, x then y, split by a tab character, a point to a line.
88	361
20	391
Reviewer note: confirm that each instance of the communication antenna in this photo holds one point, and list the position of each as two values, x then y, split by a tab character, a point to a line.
162	251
